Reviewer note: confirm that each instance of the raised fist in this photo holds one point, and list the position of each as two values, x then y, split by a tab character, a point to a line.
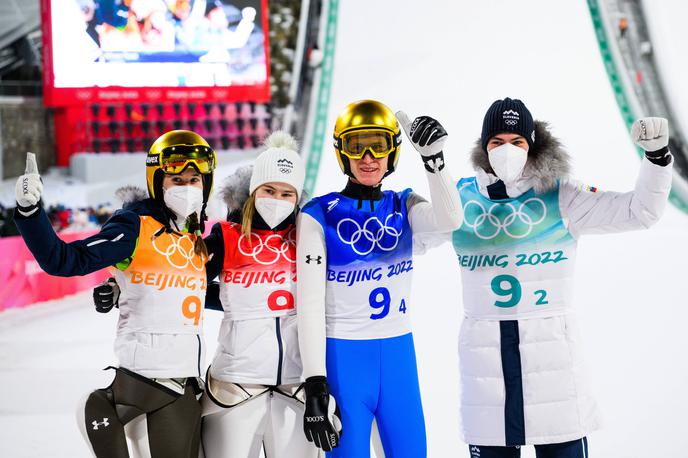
106	295
651	134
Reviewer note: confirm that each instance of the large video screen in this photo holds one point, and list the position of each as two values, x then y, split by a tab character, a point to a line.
173	44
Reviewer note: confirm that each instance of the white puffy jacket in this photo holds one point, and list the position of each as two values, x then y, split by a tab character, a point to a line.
521	369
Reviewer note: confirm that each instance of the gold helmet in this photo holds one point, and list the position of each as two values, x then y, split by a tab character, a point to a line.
366	126
175	151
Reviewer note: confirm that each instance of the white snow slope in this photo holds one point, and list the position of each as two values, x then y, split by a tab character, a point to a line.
449	60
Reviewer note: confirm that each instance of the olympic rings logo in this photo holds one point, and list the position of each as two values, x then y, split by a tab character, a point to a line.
488	224
269	250
179	252
373	233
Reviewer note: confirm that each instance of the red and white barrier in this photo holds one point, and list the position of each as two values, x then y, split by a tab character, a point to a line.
22	282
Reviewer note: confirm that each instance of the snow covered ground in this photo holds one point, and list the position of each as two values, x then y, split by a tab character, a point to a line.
449	60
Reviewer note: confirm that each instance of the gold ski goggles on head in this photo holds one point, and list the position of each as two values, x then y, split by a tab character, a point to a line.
357	143
174	160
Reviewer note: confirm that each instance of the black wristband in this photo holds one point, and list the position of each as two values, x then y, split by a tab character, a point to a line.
30	210
661	157
434	163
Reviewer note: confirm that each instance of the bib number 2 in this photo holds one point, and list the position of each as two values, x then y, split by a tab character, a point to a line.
509	288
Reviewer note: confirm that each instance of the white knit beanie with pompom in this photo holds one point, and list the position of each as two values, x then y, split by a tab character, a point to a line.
280	162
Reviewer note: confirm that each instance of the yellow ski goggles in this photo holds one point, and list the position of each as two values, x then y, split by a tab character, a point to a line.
174	160
355	144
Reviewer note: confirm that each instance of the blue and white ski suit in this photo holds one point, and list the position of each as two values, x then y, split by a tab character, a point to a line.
354	262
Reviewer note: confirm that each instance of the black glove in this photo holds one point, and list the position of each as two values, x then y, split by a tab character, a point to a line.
427	136
106	295
321	420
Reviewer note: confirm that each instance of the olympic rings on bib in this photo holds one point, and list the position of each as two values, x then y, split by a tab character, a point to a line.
269	250
373	233
179	251
488	224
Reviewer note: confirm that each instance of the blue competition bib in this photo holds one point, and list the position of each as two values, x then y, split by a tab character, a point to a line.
369	264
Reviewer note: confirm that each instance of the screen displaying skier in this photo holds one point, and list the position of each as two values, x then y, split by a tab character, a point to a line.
157	43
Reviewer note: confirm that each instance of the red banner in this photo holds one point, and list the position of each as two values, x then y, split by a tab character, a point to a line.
22	282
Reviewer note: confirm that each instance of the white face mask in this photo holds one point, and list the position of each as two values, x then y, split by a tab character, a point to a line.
508	161
274	211
184	200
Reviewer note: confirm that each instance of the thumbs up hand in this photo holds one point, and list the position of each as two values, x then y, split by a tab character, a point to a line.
427	136
29	186
425	133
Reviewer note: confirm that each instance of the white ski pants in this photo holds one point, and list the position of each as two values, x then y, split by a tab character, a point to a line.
269	421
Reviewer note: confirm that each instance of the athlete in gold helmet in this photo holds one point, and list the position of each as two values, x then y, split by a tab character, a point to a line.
354	260
175	153
365	126
154	248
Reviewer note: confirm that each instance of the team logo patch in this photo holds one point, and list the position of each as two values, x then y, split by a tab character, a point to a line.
331	204
511	117
363	239
97	424
285	166
315	259
515	222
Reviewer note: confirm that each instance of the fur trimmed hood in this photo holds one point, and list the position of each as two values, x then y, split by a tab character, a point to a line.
234	189
547	160
131	194
135	199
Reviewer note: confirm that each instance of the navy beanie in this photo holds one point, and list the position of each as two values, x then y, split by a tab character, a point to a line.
508	115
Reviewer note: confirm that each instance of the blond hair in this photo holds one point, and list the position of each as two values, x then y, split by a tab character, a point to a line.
247	212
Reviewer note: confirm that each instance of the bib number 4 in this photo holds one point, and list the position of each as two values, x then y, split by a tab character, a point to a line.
509	288
380	299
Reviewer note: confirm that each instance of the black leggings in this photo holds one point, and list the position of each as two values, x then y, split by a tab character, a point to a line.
173	419
572	449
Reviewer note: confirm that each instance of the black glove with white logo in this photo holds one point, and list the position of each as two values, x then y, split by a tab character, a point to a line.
321	421
106	295
427	136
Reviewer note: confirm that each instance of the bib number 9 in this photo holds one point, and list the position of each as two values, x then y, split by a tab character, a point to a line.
192	308
380	299
509	288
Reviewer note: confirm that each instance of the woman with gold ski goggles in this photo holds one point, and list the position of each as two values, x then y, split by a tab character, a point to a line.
175	159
